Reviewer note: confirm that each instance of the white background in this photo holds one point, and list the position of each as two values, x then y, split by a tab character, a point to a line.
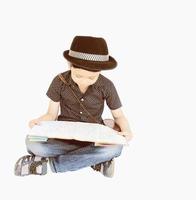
155	45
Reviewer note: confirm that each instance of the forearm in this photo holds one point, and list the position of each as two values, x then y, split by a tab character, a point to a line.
47	117
123	124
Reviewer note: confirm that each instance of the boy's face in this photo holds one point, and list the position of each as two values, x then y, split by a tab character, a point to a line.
83	78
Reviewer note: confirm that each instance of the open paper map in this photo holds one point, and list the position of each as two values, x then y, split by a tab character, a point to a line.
82	131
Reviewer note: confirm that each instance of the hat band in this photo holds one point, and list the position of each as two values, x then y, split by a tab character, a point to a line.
88	56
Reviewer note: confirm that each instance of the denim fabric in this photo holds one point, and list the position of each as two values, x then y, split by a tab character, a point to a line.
71	155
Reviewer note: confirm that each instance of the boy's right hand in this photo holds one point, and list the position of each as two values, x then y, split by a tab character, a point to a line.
34	122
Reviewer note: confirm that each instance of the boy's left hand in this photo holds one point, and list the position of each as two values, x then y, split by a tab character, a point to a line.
128	135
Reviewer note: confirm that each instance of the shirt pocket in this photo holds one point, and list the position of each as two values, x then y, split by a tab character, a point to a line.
68	98
94	101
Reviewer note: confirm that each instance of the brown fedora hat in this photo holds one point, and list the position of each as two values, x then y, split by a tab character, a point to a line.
90	53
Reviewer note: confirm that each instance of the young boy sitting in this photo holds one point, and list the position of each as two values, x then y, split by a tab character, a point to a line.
87	57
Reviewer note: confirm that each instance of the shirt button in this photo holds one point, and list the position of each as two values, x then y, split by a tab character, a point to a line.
80	112
82	99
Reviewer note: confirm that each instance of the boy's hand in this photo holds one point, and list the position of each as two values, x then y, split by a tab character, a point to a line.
128	135
34	122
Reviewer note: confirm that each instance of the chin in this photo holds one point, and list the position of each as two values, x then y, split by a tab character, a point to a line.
84	86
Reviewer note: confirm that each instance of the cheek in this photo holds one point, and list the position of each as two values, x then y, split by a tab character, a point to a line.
74	79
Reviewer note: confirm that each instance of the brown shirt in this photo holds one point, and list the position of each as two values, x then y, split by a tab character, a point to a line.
93	99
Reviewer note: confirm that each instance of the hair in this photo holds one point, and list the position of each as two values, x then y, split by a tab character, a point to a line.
82	68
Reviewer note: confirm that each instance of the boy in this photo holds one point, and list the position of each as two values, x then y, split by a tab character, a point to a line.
86	58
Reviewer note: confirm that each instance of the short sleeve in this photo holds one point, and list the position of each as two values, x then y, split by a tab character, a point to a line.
54	90
112	98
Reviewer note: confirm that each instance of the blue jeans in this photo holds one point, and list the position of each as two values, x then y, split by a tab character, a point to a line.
71	155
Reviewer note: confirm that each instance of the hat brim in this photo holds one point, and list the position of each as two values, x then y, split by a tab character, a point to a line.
91	65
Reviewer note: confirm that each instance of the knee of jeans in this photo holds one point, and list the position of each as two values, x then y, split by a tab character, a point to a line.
37	148
113	151
118	150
